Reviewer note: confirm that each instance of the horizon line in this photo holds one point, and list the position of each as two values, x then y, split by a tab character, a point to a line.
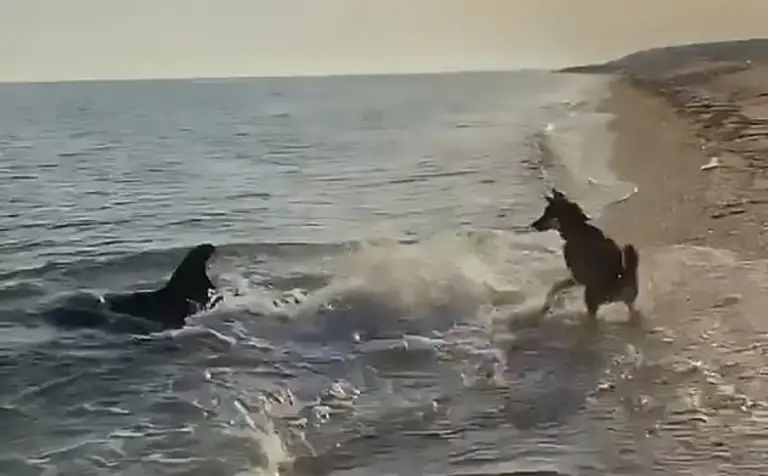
273	76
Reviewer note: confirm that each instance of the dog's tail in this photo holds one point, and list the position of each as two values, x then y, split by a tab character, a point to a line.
631	260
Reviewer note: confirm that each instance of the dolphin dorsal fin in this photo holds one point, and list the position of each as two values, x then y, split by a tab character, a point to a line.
190	278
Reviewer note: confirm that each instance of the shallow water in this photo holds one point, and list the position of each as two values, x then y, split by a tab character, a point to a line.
394	208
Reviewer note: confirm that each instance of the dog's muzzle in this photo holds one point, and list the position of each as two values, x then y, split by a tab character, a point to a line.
544	224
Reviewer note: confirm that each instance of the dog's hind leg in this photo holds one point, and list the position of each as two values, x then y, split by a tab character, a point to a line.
556	289
629	282
593	299
628	296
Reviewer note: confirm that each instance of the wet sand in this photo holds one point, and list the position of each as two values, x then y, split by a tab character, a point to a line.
701	394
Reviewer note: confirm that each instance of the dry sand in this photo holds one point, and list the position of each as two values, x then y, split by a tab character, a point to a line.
674	119
702	236
665	137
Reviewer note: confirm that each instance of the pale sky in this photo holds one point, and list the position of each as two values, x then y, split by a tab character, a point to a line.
94	39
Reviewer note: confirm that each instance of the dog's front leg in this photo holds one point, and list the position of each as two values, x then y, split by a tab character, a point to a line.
556	289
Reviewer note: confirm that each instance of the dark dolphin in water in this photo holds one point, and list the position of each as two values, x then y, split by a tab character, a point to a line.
187	292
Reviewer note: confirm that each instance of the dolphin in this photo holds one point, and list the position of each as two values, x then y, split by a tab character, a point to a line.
187	292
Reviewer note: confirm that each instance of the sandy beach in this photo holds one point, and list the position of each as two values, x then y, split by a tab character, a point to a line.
692	134
678	109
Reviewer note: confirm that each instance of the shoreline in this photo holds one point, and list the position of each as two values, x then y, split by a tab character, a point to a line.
671	119
655	151
704	301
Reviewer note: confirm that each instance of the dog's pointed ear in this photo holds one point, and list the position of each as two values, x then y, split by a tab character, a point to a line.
557	193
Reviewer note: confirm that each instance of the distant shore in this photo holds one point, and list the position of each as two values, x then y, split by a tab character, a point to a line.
692	127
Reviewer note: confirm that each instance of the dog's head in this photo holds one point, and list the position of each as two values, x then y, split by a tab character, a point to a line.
559	210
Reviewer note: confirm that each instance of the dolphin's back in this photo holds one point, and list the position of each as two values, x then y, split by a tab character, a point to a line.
152	305
188	291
